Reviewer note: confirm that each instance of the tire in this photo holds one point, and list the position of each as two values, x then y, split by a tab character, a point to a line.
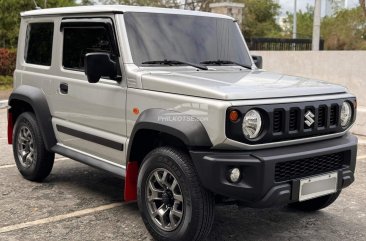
189	219
315	204
34	162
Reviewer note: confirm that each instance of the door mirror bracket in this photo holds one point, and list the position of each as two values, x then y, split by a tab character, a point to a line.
258	61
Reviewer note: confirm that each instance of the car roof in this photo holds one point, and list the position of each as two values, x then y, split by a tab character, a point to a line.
116	9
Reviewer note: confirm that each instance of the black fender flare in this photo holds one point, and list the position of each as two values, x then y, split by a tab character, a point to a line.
187	128
37	100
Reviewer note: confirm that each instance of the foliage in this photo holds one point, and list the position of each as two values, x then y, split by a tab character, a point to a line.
7	61
258	15
304	23
345	30
200	5
153	3
10	17
87	2
259	18
363	6
6	82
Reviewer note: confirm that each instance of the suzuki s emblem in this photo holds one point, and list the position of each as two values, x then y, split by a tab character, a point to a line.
309	118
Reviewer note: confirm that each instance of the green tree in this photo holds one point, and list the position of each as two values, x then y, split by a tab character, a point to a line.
153	3
304	24
10	17
346	30
363	6
200	5
259	18
87	2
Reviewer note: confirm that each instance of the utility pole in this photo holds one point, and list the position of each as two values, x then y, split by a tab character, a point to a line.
294	24
316	25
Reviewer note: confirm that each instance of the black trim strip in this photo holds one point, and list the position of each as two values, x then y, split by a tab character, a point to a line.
118	171
89	137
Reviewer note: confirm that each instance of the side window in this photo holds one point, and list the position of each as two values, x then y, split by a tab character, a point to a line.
80	41
39	41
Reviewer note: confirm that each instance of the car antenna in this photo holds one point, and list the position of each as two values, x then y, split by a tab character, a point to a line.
37	7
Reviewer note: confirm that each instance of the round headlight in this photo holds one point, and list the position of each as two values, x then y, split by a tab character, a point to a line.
252	124
346	114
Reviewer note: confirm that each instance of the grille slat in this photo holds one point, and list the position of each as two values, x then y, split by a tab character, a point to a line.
333	115
322	116
293	119
277	121
289	170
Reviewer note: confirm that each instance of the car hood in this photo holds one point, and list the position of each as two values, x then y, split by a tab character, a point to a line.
236	84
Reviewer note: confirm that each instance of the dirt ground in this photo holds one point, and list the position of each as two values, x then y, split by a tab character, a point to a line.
4	94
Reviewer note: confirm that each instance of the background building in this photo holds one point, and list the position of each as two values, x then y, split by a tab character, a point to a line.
232	9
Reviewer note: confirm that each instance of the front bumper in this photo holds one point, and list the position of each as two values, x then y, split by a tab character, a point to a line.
259	185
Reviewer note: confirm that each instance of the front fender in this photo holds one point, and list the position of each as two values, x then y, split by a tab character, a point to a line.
185	127
37	100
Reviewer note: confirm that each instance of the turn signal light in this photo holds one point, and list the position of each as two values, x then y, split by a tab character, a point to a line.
136	111
234	115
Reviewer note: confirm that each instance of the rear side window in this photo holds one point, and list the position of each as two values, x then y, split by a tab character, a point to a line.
80	41
39	41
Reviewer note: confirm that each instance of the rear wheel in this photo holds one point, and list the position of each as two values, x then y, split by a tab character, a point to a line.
34	162
173	204
315	204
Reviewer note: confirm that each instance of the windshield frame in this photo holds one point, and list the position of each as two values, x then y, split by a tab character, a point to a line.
128	50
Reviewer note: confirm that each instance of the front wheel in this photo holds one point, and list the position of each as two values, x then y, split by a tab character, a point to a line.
34	162
315	204
172	202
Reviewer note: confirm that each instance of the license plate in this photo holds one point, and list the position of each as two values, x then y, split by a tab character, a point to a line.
317	186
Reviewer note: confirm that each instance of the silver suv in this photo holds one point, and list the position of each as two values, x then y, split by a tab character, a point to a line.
172	102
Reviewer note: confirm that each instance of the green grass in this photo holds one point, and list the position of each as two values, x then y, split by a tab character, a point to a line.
6	82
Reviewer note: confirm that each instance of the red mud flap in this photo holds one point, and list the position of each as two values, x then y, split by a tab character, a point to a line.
10	127
131	181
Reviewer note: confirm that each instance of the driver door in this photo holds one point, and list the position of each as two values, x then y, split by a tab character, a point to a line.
89	117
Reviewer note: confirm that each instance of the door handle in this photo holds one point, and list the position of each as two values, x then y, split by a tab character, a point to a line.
64	88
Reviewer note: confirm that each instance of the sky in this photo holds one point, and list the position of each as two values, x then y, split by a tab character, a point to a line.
288	5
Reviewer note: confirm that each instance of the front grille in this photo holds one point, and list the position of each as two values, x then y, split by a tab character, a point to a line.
290	121
297	119
289	170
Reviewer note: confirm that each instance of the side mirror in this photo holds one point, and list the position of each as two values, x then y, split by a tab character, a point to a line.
98	65
258	61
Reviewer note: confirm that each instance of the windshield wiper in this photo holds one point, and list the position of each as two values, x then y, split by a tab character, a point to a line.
221	62
175	62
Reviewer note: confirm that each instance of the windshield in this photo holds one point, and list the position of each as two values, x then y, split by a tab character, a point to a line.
194	39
